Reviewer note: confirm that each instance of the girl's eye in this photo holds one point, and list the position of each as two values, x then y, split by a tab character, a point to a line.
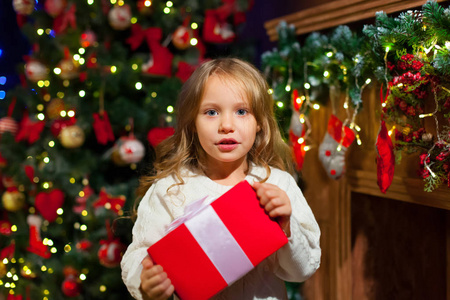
211	112
242	112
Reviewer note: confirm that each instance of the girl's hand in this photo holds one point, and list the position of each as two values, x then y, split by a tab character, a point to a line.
276	202
154	282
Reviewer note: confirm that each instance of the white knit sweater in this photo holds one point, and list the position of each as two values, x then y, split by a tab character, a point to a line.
295	262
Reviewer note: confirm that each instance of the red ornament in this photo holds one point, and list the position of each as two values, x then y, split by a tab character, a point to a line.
111	252
55	7
47	204
5	227
71	286
88	38
84	245
385	155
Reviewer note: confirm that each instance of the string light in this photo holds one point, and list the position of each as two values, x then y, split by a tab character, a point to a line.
71	113
138	86
193	41
194	26
391	131
113	69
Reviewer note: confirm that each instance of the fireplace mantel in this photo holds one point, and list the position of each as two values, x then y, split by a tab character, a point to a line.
339	12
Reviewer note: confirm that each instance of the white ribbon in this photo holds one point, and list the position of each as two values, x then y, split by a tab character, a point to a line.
219	245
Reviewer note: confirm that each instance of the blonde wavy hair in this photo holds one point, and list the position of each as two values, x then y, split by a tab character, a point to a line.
183	149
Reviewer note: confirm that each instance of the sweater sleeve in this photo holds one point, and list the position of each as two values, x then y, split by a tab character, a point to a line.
152	218
300	257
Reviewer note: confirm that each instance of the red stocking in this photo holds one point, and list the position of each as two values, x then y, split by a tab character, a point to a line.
36	245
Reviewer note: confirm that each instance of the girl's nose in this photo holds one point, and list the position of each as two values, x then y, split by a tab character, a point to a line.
226	124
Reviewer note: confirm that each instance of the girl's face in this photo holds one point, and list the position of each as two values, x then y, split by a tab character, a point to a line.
225	124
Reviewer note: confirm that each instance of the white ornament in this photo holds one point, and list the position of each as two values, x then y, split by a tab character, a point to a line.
23	7
35	70
131	151
120	17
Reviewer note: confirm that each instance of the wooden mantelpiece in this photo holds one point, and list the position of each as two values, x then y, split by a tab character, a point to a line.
342	206
335	13
403	189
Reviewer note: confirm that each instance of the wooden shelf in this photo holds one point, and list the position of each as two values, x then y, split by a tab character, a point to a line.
337	13
402	189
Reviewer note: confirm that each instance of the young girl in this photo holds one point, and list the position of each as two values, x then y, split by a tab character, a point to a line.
225	133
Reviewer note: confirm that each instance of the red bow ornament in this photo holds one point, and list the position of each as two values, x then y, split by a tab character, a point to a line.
160	62
29	130
65	19
110	202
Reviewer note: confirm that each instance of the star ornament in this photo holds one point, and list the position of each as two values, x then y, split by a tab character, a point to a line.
114	203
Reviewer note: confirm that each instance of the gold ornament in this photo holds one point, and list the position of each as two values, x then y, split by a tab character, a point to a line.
54	108
3	270
117	158
406	130
69	69
71	136
13	201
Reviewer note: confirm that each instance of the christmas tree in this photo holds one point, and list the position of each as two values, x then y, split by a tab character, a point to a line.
97	93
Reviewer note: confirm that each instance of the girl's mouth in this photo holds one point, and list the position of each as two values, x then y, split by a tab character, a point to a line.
227	144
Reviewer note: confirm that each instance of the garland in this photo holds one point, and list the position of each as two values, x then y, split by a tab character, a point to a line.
409	55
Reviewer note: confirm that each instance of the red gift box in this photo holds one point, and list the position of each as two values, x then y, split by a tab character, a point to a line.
218	245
